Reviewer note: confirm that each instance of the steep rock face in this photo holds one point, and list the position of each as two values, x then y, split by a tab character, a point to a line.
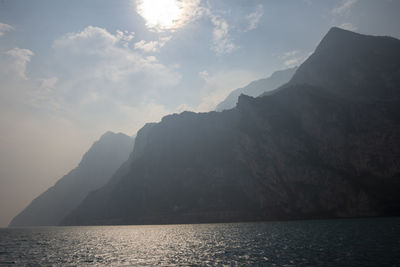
354	66
258	87
305	151
95	169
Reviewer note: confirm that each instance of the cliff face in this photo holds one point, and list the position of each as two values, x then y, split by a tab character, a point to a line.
354	66
315	148
96	168
257	88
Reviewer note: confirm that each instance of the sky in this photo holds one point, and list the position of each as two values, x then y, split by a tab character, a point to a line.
72	70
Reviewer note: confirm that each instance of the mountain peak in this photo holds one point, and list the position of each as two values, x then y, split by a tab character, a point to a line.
106	134
106	142
110	134
338	37
353	66
306	151
103	158
340	31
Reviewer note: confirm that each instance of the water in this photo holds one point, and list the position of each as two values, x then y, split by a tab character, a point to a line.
360	242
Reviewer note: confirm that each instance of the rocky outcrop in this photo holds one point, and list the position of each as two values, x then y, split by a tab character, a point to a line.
256	88
325	145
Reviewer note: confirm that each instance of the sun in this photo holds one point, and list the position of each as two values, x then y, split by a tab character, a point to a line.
161	14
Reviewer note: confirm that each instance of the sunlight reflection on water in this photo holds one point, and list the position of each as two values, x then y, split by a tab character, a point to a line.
373	242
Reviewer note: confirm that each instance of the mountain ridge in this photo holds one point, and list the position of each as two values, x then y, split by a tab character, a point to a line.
348	76
256	88
311	149
97	165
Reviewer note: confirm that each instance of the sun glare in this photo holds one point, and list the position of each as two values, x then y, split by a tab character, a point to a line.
161	15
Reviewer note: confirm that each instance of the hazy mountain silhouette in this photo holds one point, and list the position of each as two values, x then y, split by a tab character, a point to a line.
258	87
324	145
95	169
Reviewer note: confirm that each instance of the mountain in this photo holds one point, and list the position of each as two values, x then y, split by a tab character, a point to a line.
95	169
324	145
354	66
258	87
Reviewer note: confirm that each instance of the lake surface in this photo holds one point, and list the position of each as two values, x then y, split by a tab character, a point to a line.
356	242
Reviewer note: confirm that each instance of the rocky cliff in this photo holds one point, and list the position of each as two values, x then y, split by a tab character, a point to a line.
256	88
325	145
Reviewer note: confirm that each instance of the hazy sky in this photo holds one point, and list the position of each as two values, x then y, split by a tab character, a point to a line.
72	70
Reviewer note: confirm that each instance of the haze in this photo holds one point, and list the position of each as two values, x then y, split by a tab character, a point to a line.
72	70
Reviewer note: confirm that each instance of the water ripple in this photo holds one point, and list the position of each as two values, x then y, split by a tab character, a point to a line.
362	242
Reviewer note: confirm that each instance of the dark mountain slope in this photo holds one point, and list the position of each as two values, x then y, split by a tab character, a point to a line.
258	87
97	166
306	151
355	66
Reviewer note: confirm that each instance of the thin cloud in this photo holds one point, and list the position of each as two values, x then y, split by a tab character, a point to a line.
18	59
203	74
152	46
348	26
95	79
293	61
294	58
96	60
5	28
290	53
168	15
185	12
254	18
222	41
125	37
344	7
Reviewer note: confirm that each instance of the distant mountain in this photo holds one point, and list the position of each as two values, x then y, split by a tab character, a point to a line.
258	87
325	145
95	169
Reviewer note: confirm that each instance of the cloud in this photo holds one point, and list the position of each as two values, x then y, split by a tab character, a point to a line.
293	62
94	83
171	15
203	74
15	62
290	53
95	60
168	15
92	79
294	58
15	82
344	7
222	42
5	28
42	94
254	18
152	46
125	37
48	83
92	40
348	26
36	138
